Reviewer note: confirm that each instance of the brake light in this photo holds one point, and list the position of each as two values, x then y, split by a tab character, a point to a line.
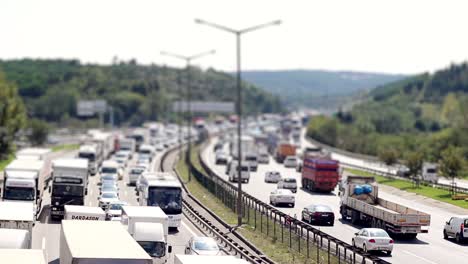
462	226
316	214
391	241
371	240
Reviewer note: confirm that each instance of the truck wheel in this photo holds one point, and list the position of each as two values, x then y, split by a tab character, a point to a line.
445	235
354	217
344	216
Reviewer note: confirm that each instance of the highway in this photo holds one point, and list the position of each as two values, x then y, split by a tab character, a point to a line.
46	233
427	248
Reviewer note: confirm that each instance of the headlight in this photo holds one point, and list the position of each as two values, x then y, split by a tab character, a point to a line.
57	203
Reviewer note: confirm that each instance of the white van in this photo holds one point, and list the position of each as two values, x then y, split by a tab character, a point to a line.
457	227
233	174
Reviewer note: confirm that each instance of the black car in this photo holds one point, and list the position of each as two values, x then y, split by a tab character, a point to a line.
318	214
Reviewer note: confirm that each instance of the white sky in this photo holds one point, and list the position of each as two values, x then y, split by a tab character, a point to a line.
395	36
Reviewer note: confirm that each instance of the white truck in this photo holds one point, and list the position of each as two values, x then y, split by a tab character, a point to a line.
15	238
429	172
34	153
69	184
99	242
361	204
90	152
78	212
22	256
148	225
192	259
127	144
17	215
24	181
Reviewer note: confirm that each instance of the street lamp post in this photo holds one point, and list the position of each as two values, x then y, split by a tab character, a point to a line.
188	60
238	34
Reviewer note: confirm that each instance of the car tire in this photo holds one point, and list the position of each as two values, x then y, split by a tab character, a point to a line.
458	238
364	247
353	243
445	235
389	253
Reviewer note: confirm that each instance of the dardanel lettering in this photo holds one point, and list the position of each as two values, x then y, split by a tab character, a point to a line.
82	217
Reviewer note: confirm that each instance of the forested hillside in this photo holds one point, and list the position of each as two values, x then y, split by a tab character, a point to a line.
317	88
51	88
425	114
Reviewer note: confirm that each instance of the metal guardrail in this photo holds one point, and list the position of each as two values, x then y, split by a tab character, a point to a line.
298	235
227	243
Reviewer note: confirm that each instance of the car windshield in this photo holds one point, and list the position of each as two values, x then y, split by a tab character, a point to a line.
378	233
154	249
323	208
245	168
18	193
137	171
115	207
109	170
167	198
290	180
109	195
207	244
108	188
107	177
88	156
121	155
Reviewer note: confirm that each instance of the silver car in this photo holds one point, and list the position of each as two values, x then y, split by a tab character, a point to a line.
199	245
373	239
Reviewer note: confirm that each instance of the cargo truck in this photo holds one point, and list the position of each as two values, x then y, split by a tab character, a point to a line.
69	184
34	153
360	203
78	212
99	242
283	150
24	181
22	256
15	215
15	238
320	174
90	153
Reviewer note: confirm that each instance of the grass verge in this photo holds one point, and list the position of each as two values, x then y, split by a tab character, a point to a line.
273	239
65	147
433	193
5	162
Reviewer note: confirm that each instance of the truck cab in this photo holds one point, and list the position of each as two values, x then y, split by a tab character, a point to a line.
89	152
150	236
252	160
429	172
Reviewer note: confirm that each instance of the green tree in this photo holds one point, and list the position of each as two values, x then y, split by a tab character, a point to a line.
39	130
414	163
389	156
12	115
451	163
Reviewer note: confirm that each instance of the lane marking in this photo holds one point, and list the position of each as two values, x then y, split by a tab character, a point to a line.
419	257
188	228
43	243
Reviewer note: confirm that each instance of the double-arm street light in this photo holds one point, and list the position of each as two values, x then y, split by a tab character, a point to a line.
238	34
188	60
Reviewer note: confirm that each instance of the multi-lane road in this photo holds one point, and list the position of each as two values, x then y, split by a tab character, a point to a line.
427	248
46	233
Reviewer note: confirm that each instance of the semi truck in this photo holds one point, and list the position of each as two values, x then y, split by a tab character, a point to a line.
90	152
360	203
22	256
283	150
319	174
148	225
99	242
247	146
69	184
24	181
127	144
78	212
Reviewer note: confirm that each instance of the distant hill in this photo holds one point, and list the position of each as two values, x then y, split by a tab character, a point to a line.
425	114
316	86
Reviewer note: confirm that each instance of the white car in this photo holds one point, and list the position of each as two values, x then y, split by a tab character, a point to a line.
457	227
108	197
272	176
373	239
134	173
114	210
290	162
282	196
263	158
221	158
206	246
288	183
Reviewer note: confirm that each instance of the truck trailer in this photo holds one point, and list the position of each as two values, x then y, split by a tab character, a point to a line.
320	174
22	256
69	184
283	150
15	215
360	203
195	259
78	212
99	242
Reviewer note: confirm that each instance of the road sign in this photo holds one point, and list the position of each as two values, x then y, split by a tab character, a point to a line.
88	108
204	107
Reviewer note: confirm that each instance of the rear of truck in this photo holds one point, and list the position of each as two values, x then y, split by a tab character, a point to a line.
320	174
284	150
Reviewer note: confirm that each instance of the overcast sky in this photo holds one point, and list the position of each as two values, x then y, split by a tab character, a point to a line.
394	36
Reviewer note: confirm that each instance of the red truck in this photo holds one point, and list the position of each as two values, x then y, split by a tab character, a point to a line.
320	174
283	150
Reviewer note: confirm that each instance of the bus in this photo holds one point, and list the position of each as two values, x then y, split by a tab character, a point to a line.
164	191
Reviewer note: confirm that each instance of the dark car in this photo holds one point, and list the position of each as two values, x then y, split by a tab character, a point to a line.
318	214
